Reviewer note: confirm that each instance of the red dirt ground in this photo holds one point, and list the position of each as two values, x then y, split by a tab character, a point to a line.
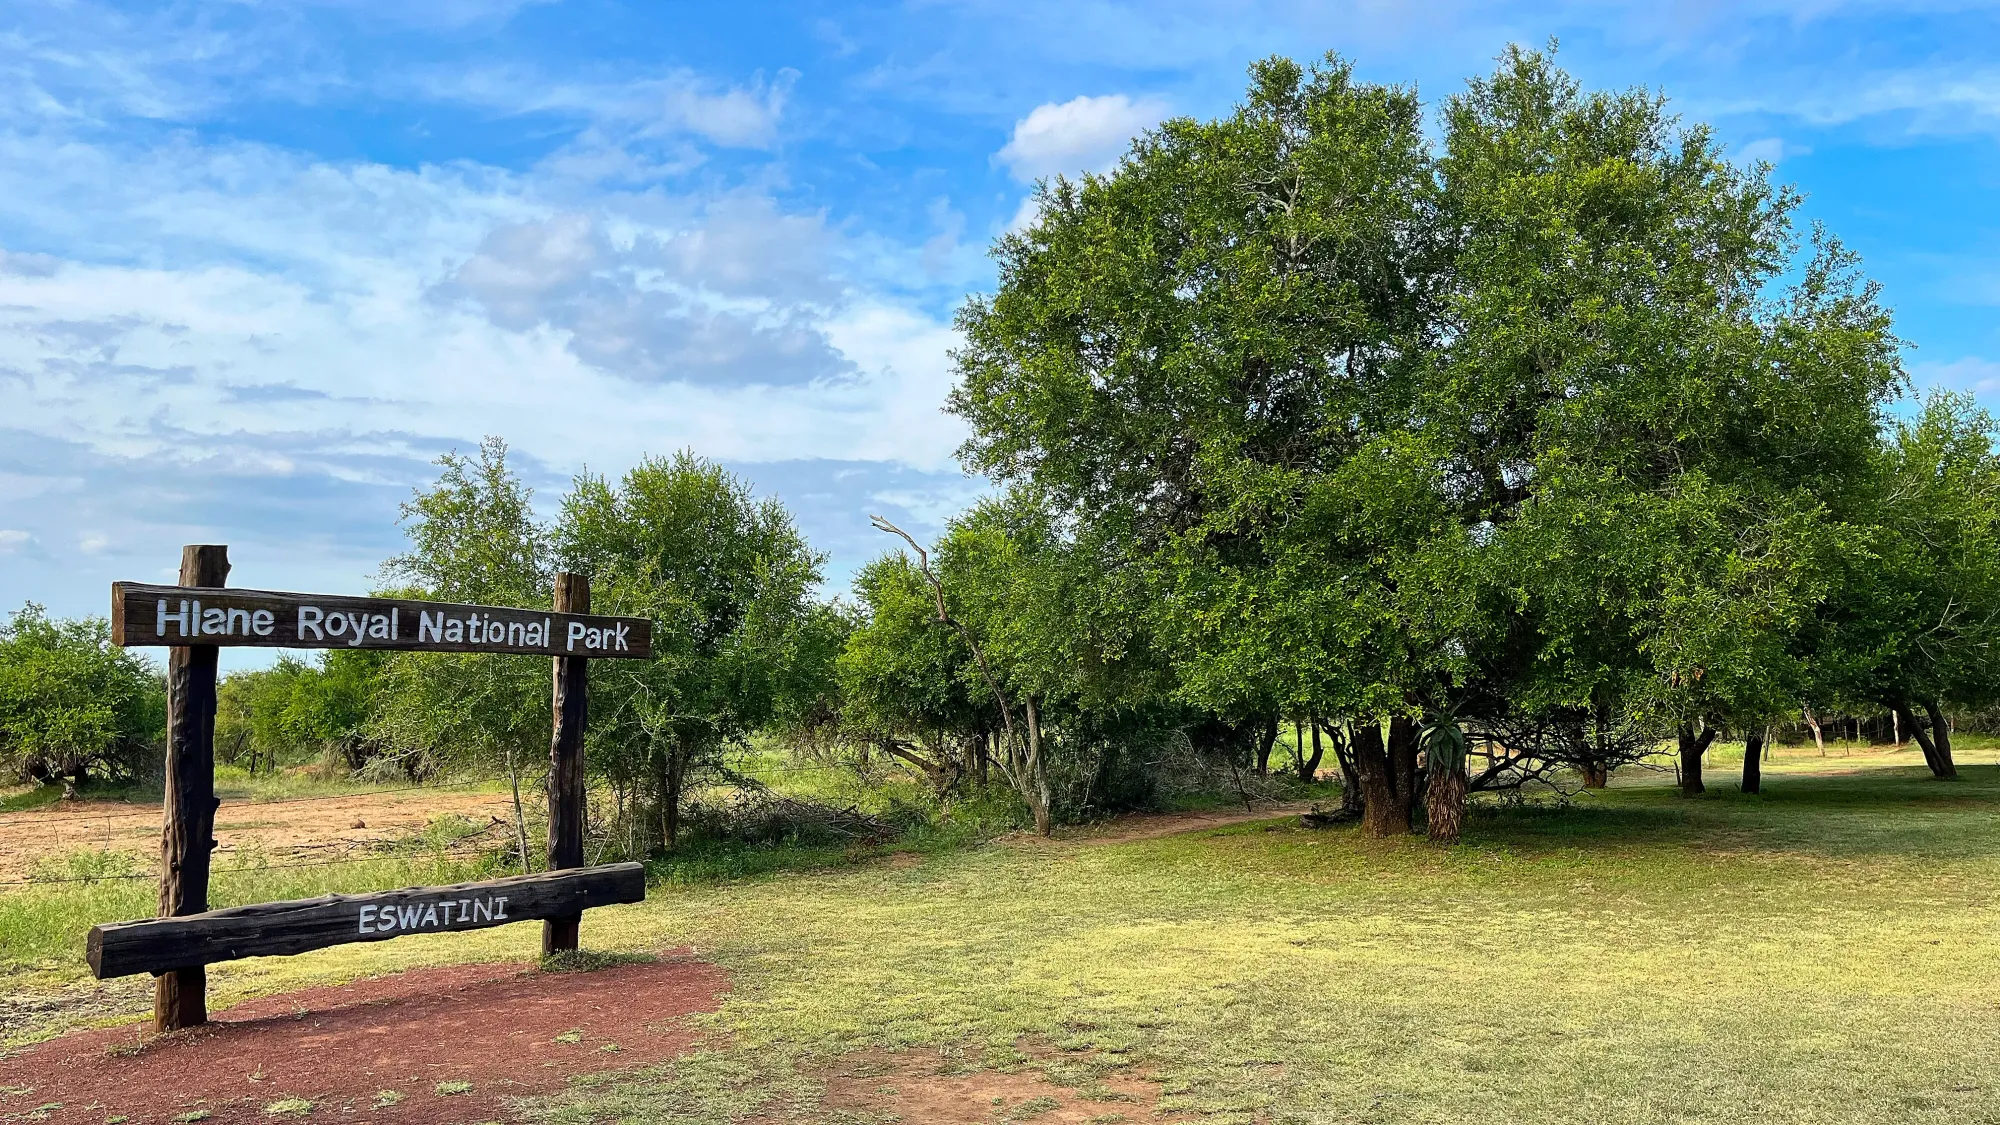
495	1026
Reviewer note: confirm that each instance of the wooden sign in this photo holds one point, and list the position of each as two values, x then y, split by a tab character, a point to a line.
279	928
201	616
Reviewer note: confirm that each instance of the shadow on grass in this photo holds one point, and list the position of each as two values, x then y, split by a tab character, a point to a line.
1877	812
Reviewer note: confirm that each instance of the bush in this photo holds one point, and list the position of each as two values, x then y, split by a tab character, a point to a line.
72	705
760	816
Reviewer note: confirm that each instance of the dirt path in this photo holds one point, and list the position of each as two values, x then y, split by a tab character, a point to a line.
313	827
1152	826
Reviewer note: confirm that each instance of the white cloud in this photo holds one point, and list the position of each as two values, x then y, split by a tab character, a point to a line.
1082	134
627	112
1771	150
745	117
1024	215
1967	373
1936	99
240	344
736	297
943	251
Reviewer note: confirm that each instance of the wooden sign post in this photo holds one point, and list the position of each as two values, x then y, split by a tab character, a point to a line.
566	803
199	616
180	995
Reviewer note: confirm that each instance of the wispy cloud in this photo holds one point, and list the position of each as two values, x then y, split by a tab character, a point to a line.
1966	373
1770	150
1932	98
742	115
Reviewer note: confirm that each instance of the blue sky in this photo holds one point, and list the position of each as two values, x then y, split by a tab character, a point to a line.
261	262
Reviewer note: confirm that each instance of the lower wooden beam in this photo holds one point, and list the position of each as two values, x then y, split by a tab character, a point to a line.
276	929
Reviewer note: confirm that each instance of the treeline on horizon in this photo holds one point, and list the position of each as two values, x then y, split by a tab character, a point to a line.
1555	436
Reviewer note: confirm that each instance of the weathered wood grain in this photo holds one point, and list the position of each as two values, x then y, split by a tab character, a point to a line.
566	803
142	614
187	836
274	929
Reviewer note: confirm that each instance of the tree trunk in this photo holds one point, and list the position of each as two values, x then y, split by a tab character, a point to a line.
1899	710
1444	804
1934	742
1309	767
1385	804
660	786
1595	774
676	780
1753	762
1038	777
1352	801
1943	767
1266	739
1403	758
1692	747
1819	739
520	818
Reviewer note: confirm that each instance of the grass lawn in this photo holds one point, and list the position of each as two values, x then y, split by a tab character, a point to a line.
1829	951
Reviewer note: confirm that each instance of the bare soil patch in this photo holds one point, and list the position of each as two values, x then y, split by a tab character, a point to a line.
1152	826
314	828
917	1086
437	1046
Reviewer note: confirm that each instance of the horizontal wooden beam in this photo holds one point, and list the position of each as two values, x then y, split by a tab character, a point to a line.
187	616
276	929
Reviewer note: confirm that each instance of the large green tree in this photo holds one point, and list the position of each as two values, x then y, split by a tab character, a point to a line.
728	582
1914	625
1666	447
1220	337
1525	430
907	681
1062	655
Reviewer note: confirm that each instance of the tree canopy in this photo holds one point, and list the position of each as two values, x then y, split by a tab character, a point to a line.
728	581
1526	426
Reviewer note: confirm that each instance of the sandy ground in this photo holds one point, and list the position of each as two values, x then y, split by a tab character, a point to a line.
309	828
1152	826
